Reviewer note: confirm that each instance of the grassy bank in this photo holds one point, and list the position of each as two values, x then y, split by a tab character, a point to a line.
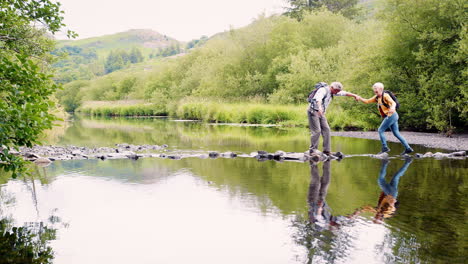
260	113
120	108
219	112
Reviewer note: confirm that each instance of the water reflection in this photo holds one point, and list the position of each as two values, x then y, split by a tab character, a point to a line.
26	244
355	236
320	214
26	241
120	211
387	202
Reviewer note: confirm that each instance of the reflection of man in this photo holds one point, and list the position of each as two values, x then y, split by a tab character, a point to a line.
319	212
387	203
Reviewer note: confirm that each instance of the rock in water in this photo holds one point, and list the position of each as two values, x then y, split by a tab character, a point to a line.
228	154
213	154
338	154
381	156
31	156
458	154
43	162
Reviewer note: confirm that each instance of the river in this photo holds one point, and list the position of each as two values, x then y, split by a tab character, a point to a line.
239	210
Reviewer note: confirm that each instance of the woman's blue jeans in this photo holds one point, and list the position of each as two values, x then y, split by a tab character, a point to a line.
392	123
392	187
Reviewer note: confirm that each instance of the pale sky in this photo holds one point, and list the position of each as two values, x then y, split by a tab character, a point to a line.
183	20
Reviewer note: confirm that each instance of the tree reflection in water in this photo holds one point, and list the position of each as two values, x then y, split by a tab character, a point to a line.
27	243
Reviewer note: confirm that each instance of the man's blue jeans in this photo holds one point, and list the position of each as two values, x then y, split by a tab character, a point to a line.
392	123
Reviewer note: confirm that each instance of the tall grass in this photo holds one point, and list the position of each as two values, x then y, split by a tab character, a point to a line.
114	109
221	112
241	113
285	115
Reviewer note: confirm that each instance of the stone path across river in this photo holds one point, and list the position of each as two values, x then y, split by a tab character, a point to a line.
44	155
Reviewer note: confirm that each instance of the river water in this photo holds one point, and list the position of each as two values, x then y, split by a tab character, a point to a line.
154	210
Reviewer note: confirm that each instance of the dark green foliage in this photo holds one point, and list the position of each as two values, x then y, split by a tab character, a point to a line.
25	244
119	59
426	60
135	55
25	82
347	8
116	60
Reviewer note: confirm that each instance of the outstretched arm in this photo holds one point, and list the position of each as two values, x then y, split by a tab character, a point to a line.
344	93
373	99
357	97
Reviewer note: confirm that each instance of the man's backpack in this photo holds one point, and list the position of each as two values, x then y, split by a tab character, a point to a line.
317	86
393	97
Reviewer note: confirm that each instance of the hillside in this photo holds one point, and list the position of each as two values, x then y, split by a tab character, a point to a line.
146	39
88	58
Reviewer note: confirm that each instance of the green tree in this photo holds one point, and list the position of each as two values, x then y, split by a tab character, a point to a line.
347	8
114	61
135	55
426	60
70	97
24	73
125	86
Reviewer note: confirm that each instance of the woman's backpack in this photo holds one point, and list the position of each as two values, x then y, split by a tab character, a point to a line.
393	98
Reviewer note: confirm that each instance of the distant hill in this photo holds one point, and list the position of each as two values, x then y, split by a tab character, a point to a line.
146	39
88	58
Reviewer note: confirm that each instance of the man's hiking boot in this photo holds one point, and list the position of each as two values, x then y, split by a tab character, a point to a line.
315	157
407	151
311	151
384	150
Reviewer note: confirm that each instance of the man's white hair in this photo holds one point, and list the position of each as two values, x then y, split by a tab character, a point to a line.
378	85
337	85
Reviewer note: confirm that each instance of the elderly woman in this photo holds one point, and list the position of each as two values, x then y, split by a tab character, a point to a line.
387	109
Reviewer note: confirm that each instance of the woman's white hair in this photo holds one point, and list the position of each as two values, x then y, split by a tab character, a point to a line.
337	85
378	85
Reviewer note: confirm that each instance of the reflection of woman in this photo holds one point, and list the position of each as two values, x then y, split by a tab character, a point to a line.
386	205
319	212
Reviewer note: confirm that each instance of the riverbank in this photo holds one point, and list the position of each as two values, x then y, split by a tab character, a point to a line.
221	112
120	108
431	140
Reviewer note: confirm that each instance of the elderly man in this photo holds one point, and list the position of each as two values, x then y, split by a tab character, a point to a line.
318	123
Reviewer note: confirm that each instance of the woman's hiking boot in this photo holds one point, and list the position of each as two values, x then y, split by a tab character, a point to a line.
407	151
384	150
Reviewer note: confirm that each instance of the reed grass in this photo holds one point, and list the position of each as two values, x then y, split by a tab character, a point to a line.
221	112
115	109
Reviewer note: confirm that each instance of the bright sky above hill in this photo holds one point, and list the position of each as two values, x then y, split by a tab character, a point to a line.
183	19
